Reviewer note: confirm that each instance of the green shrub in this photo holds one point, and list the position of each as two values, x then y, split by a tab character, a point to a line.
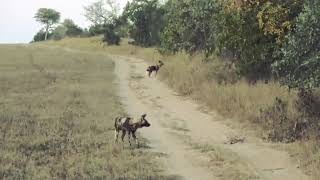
147	17
40	36
190	26
110	36
59	33
288	126
97	29
72	28
300	63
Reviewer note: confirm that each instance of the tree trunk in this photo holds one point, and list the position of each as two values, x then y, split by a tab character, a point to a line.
47	30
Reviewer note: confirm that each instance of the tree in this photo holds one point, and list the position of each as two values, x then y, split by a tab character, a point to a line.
147	18
253	31
277	17
48	17
300	63
239	33
110	36
190	26
72	28
102	12
96	29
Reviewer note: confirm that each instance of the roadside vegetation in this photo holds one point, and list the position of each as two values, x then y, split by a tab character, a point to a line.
224	163
57	111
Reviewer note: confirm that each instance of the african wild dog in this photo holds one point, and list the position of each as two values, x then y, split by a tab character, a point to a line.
125	125
154	68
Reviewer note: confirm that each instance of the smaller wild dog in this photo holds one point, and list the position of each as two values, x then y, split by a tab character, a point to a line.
154	68
125	125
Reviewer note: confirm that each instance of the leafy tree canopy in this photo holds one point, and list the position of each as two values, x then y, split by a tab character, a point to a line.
102	12
190	26
72	28
48	17
147	17
110	36
300	63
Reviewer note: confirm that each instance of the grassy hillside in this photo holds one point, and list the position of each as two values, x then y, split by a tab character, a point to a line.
270	110
56	113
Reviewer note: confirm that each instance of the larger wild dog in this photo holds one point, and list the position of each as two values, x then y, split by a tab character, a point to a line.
125	125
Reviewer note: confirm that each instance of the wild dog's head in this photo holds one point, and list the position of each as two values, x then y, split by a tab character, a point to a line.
160	63
143	121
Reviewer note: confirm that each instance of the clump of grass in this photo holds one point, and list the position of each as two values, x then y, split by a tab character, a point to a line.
227	164
238	100
56	114
224	163
308	155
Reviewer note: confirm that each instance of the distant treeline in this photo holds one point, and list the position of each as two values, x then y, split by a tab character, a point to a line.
264	39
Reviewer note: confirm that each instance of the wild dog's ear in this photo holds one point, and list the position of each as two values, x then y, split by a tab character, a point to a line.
128	118
143	115
117	119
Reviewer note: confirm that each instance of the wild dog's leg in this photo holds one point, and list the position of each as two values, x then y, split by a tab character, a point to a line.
123	134
129	134
116	135
135	138
150	73
116	130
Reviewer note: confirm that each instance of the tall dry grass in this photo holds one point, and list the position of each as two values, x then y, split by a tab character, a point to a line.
270	109
208	82
94	44
248	106
56	118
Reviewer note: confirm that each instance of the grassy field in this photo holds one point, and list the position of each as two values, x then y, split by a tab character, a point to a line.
249	107
56	113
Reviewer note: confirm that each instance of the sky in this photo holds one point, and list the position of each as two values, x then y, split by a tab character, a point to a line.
17	24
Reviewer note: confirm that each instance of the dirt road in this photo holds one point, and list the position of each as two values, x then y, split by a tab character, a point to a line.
174	117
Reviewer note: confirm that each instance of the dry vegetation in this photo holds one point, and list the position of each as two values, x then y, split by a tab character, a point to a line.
224	164
269	108
56	115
